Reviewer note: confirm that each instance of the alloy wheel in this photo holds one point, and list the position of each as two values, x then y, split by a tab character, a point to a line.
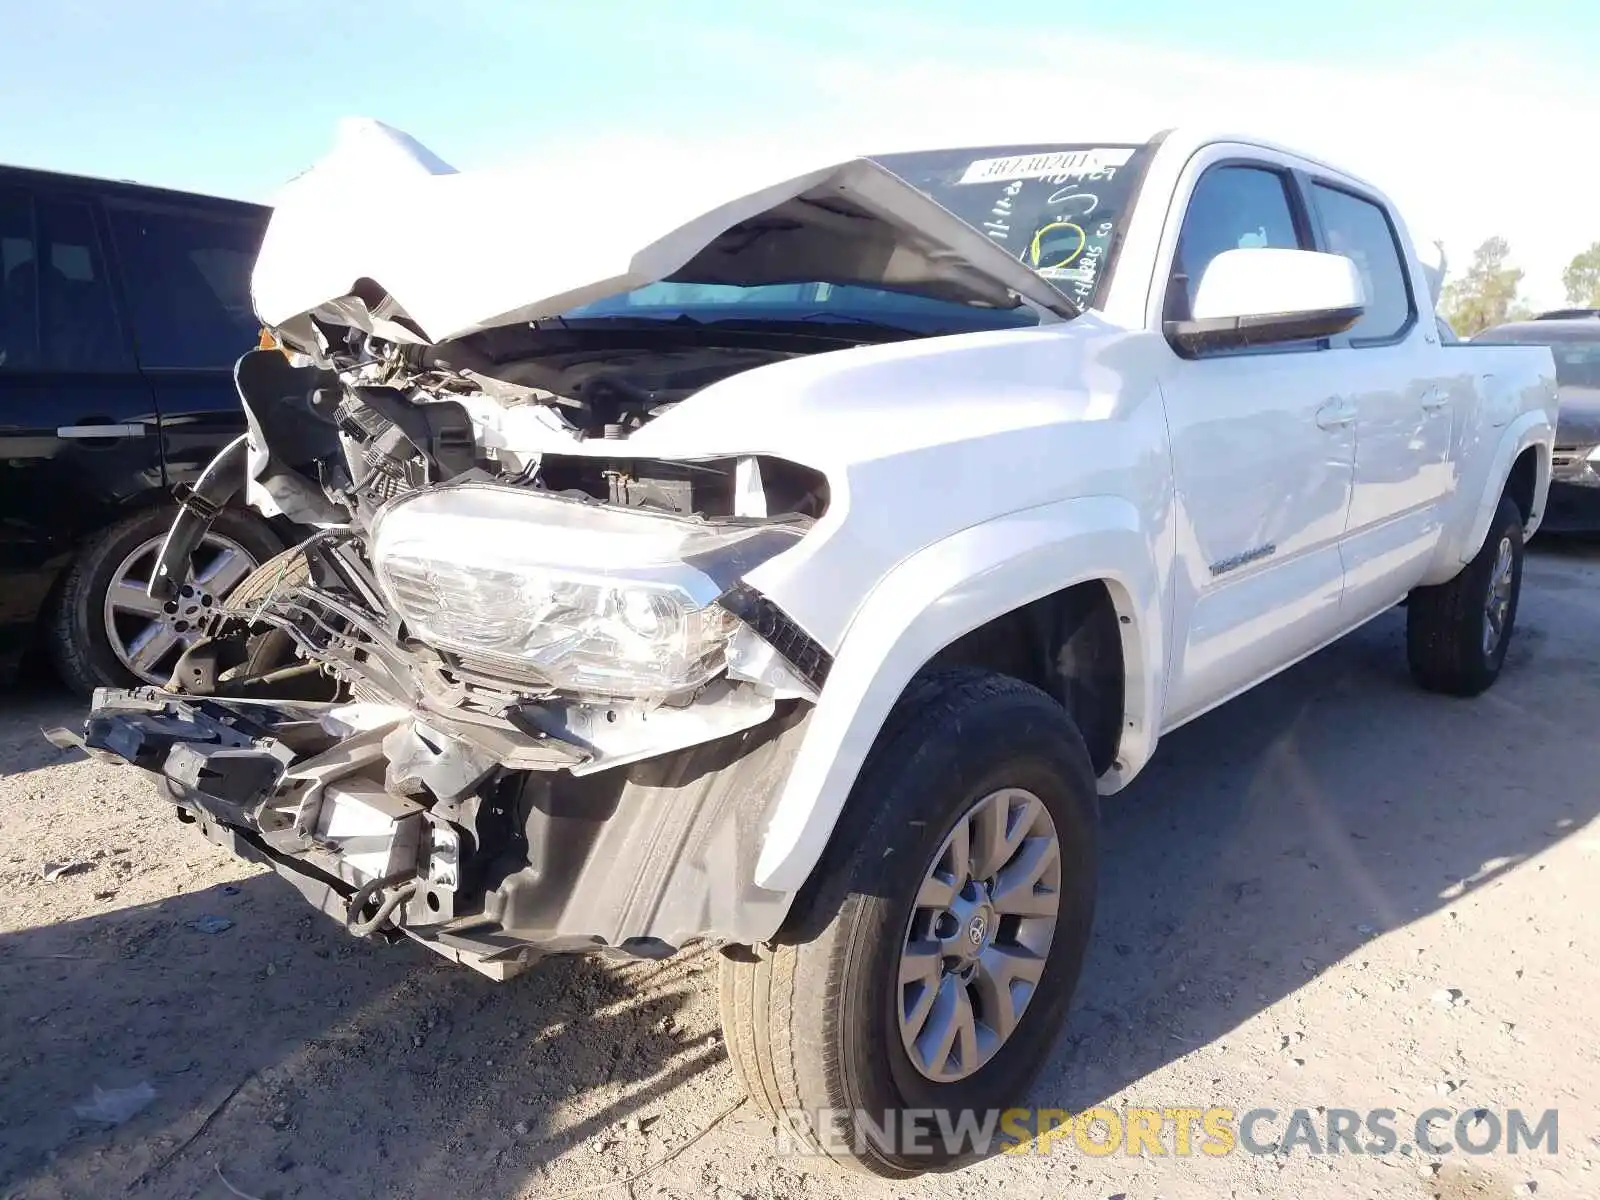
147	635
1498	606
979	933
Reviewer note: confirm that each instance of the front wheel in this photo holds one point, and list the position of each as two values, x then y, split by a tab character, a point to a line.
1457	632
958	900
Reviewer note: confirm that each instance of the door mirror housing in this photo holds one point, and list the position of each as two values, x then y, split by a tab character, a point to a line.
1263	296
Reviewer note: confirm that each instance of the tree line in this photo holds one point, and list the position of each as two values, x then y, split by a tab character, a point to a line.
1487	294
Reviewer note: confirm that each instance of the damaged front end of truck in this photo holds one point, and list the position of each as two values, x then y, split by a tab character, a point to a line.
516	688
503	706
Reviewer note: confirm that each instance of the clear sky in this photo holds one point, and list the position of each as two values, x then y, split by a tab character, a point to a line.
1479	117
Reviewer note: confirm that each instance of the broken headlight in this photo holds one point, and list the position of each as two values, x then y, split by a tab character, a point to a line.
575	595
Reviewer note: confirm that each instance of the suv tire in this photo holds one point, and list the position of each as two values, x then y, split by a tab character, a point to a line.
826	1023
1457	632
78	635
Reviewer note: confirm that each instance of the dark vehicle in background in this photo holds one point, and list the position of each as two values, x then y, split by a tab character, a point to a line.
123	309
1573	335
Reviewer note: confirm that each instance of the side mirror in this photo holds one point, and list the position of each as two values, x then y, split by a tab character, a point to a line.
1264	296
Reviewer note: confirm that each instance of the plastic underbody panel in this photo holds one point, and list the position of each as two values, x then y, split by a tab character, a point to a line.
637	858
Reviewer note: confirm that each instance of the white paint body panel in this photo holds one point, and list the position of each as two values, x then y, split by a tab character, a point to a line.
1242	510
1238	462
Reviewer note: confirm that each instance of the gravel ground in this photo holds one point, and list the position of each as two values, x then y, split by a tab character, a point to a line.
1288	890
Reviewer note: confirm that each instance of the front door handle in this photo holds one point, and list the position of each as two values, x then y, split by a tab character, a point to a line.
1336	414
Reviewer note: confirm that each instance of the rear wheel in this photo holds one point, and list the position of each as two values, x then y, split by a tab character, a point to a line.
955	907
1457	633
107	632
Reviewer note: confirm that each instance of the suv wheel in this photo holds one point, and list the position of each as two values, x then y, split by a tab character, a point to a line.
107	632
955	914
1457	633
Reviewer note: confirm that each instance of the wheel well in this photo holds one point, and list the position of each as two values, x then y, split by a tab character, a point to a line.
1068	644
1521	482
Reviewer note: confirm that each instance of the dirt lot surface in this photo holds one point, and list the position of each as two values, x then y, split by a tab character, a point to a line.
1290	891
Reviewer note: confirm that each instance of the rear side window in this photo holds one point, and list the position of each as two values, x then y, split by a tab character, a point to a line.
1577	363
1360	230
78	326
56	306
19	290
187	276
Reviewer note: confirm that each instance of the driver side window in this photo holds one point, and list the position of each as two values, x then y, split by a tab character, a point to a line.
1232	208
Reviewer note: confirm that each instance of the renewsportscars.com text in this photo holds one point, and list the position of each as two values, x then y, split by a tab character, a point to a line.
1180	1131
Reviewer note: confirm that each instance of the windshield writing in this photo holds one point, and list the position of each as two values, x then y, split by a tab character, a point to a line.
1056	208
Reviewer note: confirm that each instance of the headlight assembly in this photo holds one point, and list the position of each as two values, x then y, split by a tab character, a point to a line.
577	596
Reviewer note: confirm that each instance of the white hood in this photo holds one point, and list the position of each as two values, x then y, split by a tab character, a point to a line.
382	229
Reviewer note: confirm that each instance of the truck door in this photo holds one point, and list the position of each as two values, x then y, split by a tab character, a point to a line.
77	423
1392	367
1263	455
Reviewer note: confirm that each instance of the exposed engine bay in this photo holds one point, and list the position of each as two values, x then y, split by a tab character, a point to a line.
525	417
411	416
502	647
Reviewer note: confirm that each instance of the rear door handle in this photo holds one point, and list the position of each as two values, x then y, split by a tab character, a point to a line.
1435	398
1336	414
101	431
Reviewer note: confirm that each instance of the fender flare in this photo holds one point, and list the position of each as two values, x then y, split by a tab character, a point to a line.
928	601
1530	429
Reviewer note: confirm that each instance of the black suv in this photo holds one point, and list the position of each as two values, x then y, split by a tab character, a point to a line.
122	312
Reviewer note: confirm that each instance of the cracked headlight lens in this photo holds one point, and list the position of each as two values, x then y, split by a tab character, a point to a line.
579	596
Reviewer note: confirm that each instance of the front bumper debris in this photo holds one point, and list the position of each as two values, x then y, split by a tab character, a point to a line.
401	823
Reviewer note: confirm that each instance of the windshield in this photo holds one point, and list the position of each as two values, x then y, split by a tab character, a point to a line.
1057	208
1576	351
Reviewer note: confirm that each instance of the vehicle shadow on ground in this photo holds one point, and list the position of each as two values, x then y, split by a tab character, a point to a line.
360	1069
1279	834
1267	841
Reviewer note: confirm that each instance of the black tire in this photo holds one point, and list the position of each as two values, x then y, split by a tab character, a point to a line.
269	649
812	1025
1446	623
76	635
286	569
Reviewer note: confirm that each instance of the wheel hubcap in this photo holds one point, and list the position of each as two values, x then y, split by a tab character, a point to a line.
979	932
146	635
1498	607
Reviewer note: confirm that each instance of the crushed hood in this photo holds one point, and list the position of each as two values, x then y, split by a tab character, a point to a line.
385	236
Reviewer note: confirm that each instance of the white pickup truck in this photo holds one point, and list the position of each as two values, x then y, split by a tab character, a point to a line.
797	566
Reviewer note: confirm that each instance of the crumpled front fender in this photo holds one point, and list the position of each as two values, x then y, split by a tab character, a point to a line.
932	599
